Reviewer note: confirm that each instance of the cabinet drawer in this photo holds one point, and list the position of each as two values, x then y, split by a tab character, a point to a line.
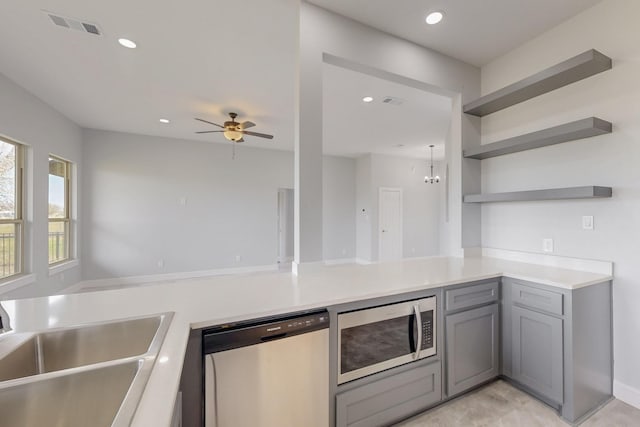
470	296
391	399
539	299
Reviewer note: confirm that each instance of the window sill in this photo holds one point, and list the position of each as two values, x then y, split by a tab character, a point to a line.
17	282
66	265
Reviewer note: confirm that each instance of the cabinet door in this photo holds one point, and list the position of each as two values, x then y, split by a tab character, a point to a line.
472	348
537	352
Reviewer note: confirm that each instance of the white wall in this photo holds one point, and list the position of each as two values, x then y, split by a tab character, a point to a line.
610	160
133	191
323	33
134	186
420	203
364	209
29	121
339	208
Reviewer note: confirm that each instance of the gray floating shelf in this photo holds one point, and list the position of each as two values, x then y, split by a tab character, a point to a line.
579	129
546	194
572	70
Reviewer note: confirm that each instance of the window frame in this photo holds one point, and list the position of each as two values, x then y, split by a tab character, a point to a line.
18	220
66	220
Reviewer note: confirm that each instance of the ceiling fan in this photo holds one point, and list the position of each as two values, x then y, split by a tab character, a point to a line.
233	130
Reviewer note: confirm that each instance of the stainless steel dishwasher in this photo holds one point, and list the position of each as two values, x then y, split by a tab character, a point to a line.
273	372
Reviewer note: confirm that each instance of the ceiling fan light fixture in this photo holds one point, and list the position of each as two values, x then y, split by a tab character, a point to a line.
232	135
367	99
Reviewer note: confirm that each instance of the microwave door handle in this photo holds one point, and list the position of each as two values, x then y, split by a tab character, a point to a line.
418	318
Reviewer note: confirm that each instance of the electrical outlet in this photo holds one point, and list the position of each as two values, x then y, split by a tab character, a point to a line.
238	258
547	245
161	263
183	201
344	251
587	222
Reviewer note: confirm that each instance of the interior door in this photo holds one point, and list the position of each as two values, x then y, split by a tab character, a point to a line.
390	224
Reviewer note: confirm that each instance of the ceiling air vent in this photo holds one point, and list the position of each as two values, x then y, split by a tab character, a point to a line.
392	100
74	24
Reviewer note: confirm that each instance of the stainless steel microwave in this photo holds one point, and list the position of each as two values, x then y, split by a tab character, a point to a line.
379	338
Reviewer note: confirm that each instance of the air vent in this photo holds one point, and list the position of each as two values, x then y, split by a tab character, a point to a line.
392	100
74	24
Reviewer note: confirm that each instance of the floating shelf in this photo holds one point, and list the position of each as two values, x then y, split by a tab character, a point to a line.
590	192
579	129
572	70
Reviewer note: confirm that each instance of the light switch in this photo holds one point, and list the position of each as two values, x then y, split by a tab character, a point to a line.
547	245
587	222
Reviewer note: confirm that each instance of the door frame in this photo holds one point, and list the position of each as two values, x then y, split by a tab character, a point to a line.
401	225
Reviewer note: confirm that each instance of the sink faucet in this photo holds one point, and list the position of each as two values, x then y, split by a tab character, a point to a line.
5	322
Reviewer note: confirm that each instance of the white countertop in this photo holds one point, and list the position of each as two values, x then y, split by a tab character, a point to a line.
209	301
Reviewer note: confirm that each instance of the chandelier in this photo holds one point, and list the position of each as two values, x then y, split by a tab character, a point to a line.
431	179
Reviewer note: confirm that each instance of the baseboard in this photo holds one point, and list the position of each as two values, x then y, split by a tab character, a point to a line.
339	261
626	393
593	266
154	278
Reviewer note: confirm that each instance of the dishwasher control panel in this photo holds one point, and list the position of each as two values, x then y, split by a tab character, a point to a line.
242	334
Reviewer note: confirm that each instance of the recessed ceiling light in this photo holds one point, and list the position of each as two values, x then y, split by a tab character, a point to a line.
367	99
164	121
127	43
434	17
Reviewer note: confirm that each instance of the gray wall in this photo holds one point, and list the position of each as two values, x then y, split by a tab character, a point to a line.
324	33
134	187
339	207
26	119
133	194
610	160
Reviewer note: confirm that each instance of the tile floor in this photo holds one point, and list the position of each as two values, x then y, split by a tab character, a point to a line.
501	405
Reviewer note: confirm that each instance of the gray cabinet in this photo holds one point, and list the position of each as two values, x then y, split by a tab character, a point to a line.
557	344
472	339
537	352
391	399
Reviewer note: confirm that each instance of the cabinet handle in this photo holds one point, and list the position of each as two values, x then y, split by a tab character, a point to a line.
418	316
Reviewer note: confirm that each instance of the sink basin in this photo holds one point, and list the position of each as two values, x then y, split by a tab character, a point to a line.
58	349
90	398
88	375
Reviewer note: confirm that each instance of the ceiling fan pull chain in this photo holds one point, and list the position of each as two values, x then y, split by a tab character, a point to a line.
233	151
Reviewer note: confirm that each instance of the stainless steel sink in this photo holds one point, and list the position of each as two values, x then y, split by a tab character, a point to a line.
78	346
85	375
89	398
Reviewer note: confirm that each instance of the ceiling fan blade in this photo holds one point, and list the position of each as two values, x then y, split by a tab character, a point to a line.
240	140
261	135
247	125
210	131
211	123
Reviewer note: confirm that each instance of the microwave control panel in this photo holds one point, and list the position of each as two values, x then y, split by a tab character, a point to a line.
427	329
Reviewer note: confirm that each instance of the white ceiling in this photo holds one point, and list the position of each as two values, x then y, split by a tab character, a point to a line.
195	58
474	31
352	127
202	58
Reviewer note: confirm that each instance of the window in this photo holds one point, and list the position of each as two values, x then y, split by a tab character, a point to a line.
59	210
10	208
